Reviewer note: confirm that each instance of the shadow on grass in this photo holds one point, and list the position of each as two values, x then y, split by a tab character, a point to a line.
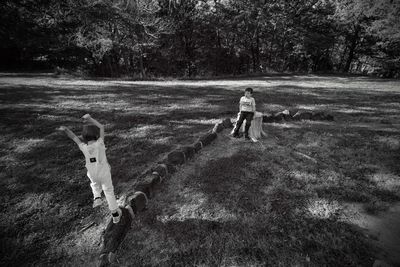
269	242
245	219
37	161
143	121
270	206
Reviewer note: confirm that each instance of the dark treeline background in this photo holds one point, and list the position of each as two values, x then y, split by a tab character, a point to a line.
152	38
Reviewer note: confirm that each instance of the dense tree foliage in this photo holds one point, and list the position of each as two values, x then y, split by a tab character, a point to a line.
201	37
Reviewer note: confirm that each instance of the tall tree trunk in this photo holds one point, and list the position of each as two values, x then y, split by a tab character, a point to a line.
270	53
106	66
342	58
253	56
141	65
94	61
141	68
282	54
271	46
189	54
352	48
131	63
248	64
217	56
258	52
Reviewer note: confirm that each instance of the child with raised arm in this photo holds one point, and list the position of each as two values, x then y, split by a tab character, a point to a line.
98	169
247	107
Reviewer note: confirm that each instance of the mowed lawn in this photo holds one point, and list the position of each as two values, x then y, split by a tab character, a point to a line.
277	202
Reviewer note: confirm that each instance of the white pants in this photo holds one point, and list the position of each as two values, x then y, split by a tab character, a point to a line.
103	182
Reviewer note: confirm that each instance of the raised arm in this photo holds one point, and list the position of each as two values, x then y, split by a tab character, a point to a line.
70	134
88	118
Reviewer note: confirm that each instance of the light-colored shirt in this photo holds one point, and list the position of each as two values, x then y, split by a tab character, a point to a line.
247	104
95	156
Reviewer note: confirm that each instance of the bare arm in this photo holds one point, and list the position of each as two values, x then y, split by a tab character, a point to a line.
254	105
88	118
70	134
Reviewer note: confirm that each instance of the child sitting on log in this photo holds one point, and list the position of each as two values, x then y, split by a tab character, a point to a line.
247	107
98	169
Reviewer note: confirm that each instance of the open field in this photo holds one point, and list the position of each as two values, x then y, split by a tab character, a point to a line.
279	202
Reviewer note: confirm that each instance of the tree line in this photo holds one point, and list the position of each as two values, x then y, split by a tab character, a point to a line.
186	38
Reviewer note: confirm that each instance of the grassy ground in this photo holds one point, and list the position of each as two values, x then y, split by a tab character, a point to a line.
276	202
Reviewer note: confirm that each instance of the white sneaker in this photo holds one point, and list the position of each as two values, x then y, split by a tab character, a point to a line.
97	202
116	219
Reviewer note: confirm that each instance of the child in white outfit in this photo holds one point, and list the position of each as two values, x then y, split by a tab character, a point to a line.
98	169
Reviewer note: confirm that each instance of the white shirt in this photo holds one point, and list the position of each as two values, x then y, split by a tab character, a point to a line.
247	104
95	156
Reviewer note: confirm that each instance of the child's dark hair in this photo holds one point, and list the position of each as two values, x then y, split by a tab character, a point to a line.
90	133
249	89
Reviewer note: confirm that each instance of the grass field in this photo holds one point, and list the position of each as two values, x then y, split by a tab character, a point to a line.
278	202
